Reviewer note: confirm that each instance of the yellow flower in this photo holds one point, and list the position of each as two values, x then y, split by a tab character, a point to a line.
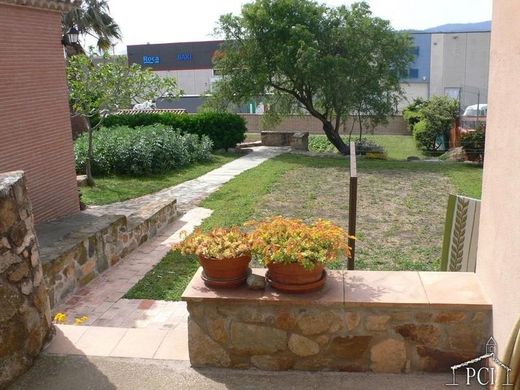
60	318
80	320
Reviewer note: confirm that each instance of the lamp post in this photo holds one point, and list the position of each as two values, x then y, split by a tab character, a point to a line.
71	37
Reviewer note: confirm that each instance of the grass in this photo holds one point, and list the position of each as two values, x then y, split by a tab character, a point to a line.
397	147
401	210
252	137
119	188
167	280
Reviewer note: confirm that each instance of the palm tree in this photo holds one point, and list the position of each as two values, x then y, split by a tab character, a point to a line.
91	18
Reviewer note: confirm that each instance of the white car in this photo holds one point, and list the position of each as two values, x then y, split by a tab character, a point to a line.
476	110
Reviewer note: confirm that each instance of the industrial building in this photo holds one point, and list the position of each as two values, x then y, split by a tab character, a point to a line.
454	64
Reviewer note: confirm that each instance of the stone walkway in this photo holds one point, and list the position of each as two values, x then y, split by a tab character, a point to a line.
102	299
191	192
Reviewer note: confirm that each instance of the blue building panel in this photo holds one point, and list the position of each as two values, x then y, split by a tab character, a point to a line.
419	69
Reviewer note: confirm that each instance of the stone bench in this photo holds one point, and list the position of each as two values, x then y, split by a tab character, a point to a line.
76	249
360	321
297	140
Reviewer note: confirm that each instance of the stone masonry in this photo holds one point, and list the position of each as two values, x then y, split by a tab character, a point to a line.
100	246
327	330
25	318
274	337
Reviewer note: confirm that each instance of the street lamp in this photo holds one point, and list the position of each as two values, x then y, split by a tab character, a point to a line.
71	37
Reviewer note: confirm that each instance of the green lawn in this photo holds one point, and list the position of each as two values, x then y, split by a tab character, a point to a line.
167	280
401	210
397	147
119	188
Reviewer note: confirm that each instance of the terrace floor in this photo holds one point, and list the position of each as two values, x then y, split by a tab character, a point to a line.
80	372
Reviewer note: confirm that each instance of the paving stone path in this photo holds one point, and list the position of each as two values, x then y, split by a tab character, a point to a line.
191	192
117	326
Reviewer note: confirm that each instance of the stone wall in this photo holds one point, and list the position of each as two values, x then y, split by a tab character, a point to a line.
101	246
283	337
25	318
299	123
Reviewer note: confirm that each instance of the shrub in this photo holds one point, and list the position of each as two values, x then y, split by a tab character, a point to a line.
473	144
411	114
436	118
320	144
292	241
224	129
141	150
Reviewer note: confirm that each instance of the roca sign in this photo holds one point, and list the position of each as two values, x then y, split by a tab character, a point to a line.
151	60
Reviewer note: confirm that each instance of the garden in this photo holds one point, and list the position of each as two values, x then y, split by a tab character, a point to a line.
401	210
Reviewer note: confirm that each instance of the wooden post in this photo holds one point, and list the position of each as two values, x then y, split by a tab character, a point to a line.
352	208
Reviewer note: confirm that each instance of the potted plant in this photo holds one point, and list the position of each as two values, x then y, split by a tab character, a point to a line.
296	253
224	254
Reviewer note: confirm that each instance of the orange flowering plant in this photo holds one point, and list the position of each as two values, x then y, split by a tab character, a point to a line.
220	244
286	240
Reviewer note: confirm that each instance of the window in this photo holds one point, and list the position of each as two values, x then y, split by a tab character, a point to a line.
413	73
414	50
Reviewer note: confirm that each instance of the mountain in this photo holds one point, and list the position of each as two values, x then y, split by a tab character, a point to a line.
461	27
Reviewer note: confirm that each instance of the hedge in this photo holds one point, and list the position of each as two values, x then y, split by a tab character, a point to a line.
224	129
140	151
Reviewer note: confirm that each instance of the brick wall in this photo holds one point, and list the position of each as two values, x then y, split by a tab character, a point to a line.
296	123
35	132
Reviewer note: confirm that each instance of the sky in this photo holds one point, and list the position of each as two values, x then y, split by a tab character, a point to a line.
162	21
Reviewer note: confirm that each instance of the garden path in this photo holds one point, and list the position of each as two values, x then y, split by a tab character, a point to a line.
193	191
135	322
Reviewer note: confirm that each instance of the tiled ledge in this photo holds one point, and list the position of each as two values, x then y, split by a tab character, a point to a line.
364	289
389	322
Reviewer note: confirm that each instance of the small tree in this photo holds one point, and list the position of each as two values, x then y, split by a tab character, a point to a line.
97	90
412	112
329	62
435	120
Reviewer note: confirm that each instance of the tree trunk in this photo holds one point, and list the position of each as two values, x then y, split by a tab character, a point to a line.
334	138
90	154
360	125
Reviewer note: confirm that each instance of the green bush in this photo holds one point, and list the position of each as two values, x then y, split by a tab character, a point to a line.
433	121
224	129
411	114
473	144
140	151
320	144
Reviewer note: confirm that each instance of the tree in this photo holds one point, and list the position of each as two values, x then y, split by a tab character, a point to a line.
91	18
435	119
97	90
330	62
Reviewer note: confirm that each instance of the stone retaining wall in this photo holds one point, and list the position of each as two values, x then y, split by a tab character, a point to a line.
92	252
360	321
274	337
25	318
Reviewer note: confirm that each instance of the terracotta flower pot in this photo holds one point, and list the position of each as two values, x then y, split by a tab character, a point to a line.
228	273
294	278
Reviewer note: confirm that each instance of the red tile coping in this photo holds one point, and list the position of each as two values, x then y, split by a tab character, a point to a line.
362	289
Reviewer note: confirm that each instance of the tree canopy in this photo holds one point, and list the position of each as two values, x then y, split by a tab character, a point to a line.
91	18
299	54
99	89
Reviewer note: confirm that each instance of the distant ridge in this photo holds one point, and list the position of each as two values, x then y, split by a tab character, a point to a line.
461	27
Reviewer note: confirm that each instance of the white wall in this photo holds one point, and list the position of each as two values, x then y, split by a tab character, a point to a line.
498	262
411	92
192	81
460	60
